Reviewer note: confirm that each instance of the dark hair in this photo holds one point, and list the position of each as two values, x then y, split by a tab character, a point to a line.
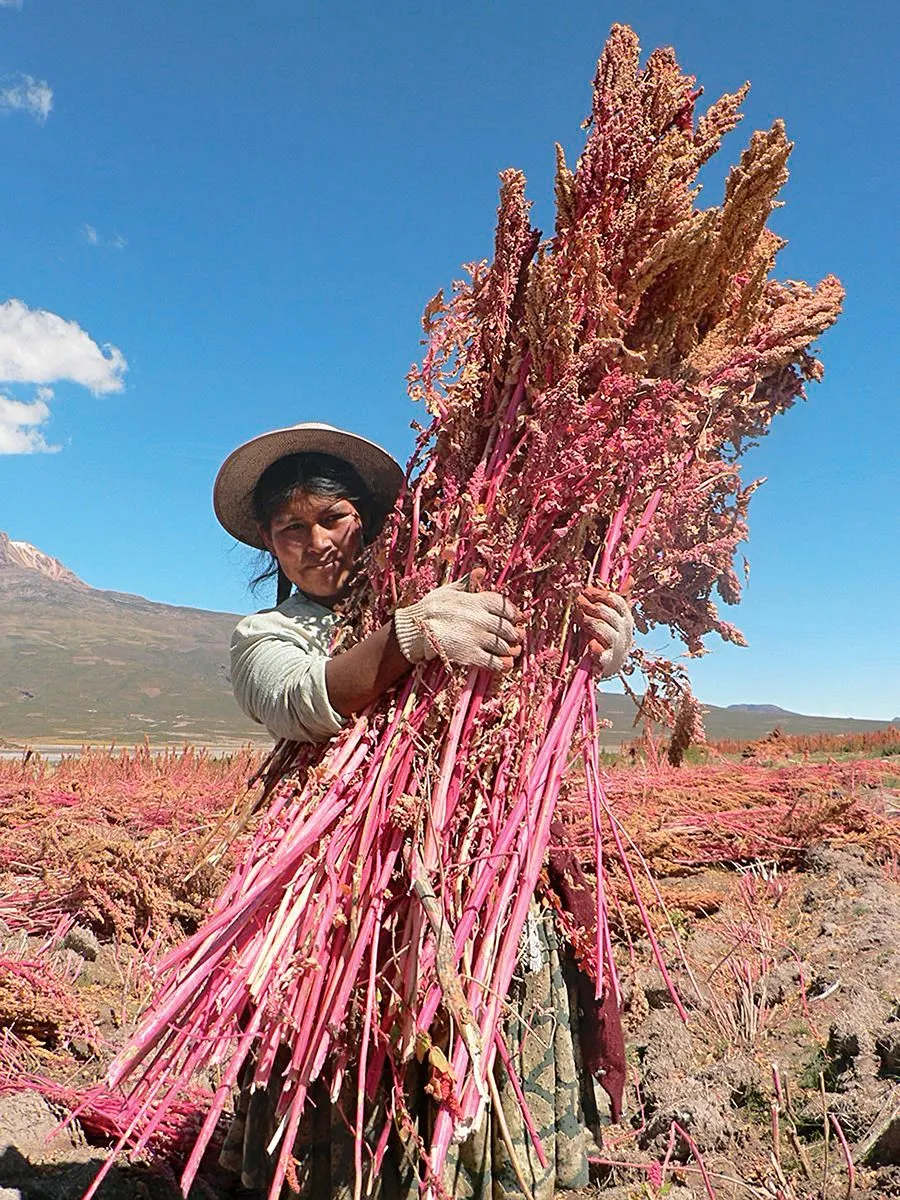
318	475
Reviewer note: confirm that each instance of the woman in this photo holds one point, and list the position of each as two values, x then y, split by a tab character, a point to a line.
314	497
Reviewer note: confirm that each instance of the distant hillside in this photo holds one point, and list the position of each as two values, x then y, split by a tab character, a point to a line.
80	664
743	722
77	663
749	722
772	710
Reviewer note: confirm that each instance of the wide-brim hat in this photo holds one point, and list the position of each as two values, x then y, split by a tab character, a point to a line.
240	472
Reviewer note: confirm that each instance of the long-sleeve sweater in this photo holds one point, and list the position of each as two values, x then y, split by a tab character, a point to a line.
278	659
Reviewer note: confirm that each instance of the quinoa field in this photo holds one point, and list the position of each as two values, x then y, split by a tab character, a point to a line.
762	1016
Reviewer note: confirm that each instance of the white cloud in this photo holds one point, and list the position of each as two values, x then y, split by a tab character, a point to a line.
10	3
20	422
39	347
24	93
94	238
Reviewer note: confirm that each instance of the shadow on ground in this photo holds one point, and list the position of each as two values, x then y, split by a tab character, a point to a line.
21	1179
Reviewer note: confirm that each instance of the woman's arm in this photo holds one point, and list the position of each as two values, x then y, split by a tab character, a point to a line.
278	677
284	682
283	679
469	628
361	674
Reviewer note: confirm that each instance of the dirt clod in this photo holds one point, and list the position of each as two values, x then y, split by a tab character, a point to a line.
887	1047
83	941
29	1125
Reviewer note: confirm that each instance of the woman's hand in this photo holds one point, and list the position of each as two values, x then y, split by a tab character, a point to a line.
606	618
472	629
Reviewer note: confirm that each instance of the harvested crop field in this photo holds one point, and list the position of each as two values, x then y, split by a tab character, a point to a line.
772	882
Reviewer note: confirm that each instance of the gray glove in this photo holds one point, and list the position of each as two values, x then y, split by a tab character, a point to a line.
472	629
606	618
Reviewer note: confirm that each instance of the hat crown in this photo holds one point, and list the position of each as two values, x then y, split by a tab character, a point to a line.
241	470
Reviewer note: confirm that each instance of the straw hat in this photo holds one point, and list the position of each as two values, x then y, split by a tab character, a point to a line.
240	472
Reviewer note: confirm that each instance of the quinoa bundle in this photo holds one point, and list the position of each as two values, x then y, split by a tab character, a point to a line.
590	397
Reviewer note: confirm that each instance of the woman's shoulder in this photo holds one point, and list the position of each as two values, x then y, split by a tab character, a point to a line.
297	618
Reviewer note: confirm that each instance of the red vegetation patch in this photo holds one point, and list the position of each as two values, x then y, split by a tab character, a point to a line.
112	838
882	742
680	818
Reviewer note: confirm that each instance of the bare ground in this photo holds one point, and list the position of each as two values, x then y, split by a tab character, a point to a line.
791	981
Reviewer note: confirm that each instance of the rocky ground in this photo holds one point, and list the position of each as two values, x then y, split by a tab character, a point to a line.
793	1036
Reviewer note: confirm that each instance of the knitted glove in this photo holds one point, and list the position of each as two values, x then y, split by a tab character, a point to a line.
472	629
606	618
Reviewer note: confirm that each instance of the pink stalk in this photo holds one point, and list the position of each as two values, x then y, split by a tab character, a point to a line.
169	1099
592	778
503	848
335	1000
645	917
229	1079
414	531
205	941
381	1145
363	1055
505	964
507	426
707	1182
458	725
123	1141
288	1137
536	849
611	541
845	1150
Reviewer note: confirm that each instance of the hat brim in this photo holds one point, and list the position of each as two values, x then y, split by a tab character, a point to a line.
240	472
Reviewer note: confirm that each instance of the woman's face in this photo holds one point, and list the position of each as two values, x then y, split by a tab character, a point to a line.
317	540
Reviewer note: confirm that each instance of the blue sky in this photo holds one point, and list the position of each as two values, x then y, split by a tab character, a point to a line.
223	217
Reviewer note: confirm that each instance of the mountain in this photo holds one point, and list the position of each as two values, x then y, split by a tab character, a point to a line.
750	722
21	554
743	722
771	710
79	664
